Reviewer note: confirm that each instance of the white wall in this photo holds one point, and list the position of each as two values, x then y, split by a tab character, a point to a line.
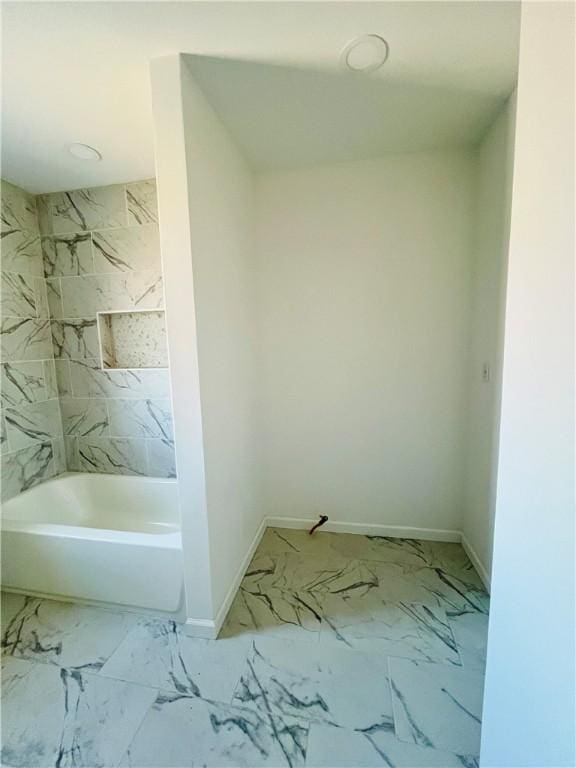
221	201
207	227
364	295
490	257
175	242
529	717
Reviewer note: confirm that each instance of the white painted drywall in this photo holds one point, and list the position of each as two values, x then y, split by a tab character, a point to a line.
490	259
221	207
529	717
206	195
175	242
364	295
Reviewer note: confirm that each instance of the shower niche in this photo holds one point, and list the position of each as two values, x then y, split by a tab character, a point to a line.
132	339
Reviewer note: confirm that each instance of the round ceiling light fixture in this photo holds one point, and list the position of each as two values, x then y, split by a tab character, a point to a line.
84	152
365	53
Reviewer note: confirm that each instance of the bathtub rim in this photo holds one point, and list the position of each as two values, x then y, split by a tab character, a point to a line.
171	539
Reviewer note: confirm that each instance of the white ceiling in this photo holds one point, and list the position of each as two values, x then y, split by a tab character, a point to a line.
79	71
284	117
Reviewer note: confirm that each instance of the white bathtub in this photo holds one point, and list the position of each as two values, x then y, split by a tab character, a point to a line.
96	537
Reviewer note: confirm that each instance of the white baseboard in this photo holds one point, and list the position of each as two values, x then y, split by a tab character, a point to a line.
201	628
368	529
476	562
210	629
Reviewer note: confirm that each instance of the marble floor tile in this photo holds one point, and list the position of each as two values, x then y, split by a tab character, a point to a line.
436	705
323	574
326	685
409	630
60	717
65	634
298	541
274	612
470	630
463	591
159	654
326	545
341	748
184	731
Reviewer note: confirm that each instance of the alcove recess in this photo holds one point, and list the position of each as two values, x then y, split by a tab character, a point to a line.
132	339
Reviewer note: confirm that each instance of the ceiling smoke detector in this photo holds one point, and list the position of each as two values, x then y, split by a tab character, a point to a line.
365	53
84	152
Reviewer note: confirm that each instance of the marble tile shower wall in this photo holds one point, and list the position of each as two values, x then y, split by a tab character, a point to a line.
31	434
101	252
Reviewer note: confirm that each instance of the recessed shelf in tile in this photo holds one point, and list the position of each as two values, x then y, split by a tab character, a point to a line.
133	339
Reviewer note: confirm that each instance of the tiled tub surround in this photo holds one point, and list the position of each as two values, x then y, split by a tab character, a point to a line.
30	420
338	650
101	253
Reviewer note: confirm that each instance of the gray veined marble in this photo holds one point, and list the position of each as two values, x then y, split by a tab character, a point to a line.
275	613
455	590
324	685
25	339
436	705
71	454
141	418
374	747
84	416
89	380
87	294
4	446
323	574
37	422
80	719
54	296
65	634
470	630
21	252
159	654
278	687
26	468
62	369
18	209
23	383
161	457
82	210
67	254
59	450
409	630
127	249
112	455
50	379
142	202
43	213
407	552
183	731
18	295
75	338
19	232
